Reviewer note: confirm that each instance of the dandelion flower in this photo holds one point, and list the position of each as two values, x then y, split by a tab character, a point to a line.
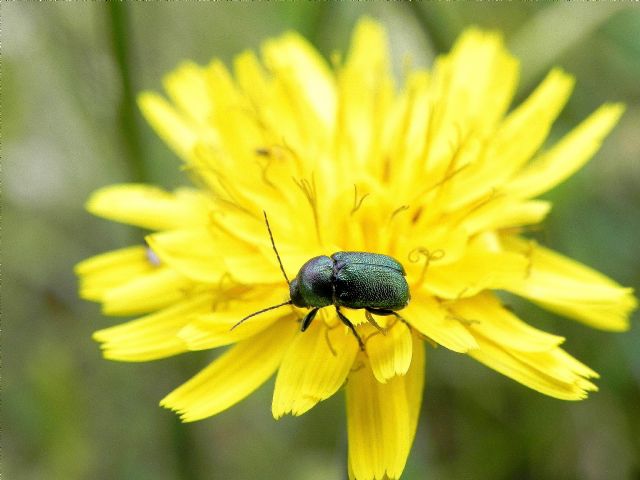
435	171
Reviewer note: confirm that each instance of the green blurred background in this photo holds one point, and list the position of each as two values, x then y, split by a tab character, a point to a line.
70	73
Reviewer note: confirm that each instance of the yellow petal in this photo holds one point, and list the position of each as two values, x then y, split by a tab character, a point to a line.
552	372
145	293
568	155
484	313
187	88
233	156
232	376
103	272
191	252
414	384
390	353
483	78
379	424
431	319
180	134
365	91
306	76
149	207
519	136
506	213
471	88
248	253
315	366
572	289
214	328
478	269
525	129
152	336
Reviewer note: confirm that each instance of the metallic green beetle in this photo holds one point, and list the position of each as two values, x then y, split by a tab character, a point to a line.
372	281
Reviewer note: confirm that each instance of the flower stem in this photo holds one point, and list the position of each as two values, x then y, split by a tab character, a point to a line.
128	126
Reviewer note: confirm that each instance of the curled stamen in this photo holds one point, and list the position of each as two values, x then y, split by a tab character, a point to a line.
310	192
225	293
481	202
328	340
287	148
398	210
226	277
446	178
429	256
447	302
371	335
357	366
264	169
357	203
465	321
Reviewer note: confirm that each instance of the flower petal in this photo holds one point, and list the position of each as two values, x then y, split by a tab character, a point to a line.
414	384
232	376
526	128
306	78
187	88
471	88
484	313
478	269
145	293
552	372
103	272
149	207
572	289
482	78
517	138
381	420
170	125
431	319
152	336
390	353
365	91
568	155
506	212
217	327
191	252
315	366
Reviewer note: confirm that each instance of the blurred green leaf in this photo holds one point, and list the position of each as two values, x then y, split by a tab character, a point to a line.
553	31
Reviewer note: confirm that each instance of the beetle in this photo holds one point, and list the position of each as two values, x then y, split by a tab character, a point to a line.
359	280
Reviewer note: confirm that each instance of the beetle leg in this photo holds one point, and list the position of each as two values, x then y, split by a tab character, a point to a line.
384	311
401	318
373	322
348	323
308	318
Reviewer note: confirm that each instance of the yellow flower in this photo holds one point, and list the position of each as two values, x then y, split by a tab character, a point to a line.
434	172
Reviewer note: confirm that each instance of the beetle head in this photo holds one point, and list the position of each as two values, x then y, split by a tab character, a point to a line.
313	285
296	296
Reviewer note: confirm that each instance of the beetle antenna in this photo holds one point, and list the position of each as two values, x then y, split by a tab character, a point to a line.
288	302
273	244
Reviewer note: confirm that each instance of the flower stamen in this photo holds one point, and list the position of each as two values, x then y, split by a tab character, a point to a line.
357	203
328	340
310	192
429	256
